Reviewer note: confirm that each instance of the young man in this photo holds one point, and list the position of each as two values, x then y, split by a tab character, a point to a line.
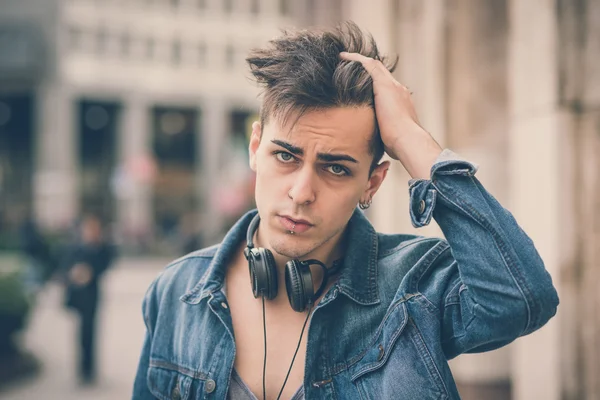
392	309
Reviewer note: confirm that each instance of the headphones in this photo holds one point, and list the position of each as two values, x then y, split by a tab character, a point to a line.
298	277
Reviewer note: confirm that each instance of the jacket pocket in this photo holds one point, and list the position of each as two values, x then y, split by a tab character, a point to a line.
398	365
168	382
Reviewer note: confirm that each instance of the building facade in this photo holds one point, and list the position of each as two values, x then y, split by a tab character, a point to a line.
140	108
513	85
124	103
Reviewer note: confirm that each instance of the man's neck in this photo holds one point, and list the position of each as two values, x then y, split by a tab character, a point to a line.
327	254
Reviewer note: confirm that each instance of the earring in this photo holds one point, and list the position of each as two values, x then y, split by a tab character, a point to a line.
365	205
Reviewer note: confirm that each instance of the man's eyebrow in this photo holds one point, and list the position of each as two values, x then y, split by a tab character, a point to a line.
327	157
289	147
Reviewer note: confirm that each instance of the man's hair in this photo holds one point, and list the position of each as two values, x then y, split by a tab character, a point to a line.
301	71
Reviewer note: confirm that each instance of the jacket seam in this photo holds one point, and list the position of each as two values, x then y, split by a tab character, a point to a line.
405	245
447	300
177	368
361	355
431	358
444	247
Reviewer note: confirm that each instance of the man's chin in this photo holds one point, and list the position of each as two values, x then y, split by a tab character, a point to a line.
287	248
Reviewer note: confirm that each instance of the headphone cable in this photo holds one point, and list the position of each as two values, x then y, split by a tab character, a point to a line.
265	355
296	352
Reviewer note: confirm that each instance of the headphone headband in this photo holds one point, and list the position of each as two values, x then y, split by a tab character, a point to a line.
251	230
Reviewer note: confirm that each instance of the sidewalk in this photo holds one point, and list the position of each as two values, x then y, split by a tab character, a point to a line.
51	337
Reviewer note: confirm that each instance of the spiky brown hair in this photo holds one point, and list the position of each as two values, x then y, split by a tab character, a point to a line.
301	71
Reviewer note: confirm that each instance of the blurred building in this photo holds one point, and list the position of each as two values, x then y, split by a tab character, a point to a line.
514	86
132	107
113	106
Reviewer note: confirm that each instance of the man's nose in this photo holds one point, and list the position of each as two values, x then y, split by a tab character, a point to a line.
303	190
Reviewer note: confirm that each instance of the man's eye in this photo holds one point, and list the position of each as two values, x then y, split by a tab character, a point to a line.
284	157
337	170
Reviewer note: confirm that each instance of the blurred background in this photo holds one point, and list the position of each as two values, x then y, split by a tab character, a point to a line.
136	114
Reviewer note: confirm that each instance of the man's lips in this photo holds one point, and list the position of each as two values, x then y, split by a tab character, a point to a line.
294	225
296	220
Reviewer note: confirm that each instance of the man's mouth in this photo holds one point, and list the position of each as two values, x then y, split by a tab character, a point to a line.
296	225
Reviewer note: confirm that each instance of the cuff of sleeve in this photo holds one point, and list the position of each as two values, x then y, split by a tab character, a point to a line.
423	193
450	163
422	202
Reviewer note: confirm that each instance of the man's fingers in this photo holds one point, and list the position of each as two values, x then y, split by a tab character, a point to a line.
372	66
354	57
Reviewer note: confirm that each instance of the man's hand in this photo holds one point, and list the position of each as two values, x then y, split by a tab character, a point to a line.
81	274
402	135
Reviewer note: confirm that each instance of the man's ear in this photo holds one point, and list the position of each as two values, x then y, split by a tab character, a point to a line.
254	143
375	180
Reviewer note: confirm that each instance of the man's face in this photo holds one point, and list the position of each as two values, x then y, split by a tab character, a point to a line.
91	230
310	176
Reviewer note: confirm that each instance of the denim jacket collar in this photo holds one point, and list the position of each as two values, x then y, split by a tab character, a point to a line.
358	279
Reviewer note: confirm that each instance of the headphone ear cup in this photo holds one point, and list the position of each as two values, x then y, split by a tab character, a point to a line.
299	285
263	273
271	272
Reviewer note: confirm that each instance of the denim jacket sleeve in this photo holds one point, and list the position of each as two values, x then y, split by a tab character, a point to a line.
491	287
140	385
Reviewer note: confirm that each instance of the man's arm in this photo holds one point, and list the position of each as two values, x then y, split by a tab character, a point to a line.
140	386
491	285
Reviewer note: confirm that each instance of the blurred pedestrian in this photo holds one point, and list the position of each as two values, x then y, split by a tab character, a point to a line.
39	260
85	263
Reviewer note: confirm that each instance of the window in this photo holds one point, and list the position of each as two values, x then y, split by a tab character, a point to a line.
229	56
176	52
227	6
102	41
202	56
150	48
285	7
125	44
75	38
255	7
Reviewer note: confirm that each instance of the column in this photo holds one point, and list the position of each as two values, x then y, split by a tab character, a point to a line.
56	202
536	176
136	169
477	120
213	133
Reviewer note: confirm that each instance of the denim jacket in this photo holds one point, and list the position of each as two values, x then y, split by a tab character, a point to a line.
402	306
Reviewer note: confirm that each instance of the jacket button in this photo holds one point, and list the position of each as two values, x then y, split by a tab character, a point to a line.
421	206
210	386
381	353
176	394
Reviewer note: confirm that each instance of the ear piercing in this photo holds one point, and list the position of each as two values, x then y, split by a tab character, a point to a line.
364	205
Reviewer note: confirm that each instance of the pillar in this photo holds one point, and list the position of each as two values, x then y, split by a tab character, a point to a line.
535	172
56	201
136	169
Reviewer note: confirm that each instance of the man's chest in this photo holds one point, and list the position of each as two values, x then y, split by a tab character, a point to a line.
283	327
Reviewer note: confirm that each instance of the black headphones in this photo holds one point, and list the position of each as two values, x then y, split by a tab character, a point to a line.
298	277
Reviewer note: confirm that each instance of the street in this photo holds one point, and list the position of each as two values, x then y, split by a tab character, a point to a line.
51	337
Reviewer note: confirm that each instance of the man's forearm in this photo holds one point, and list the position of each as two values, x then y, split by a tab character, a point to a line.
417	151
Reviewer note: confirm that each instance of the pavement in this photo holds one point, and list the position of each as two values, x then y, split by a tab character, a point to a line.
51	337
